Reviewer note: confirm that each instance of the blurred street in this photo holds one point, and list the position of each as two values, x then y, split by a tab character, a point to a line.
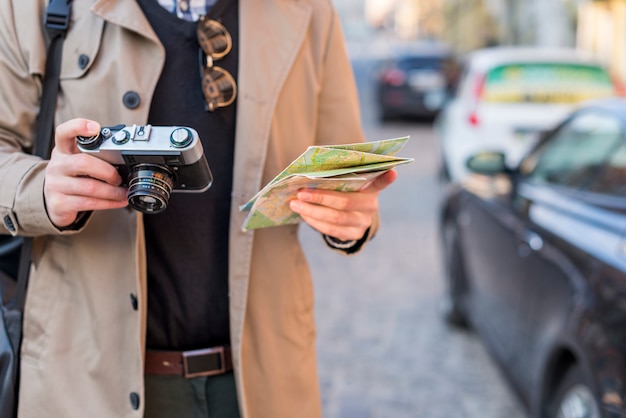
384	349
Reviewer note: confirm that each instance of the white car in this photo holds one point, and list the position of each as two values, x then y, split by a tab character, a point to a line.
507	96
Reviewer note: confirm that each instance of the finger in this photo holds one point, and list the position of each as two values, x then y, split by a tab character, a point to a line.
326	214
86	187
72	204
66	196
63	209
382	182
343	201
83	165
363	200
65	134
344	225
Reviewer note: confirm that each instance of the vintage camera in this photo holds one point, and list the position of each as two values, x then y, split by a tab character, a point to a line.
154	161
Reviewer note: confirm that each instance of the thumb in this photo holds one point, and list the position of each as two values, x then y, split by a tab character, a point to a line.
65	134
382	181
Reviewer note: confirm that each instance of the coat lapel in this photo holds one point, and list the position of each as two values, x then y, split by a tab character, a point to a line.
126	14
271	33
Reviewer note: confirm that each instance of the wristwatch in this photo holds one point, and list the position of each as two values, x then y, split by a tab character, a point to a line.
349	246
339	244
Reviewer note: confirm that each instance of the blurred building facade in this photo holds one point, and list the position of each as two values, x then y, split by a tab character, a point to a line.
406	19
602	30
597	26
477	23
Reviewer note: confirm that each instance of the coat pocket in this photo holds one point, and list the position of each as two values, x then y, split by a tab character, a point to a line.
47	291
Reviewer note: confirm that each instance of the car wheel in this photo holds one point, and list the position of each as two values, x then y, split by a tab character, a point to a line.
574	398
454	277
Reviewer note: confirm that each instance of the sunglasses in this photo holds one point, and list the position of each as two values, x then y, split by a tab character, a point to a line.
218	85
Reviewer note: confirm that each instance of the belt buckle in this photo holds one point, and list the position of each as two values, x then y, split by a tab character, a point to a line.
187	355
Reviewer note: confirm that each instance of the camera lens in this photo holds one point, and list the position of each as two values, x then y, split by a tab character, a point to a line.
149	187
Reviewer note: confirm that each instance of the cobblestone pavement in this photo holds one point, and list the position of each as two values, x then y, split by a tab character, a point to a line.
384	350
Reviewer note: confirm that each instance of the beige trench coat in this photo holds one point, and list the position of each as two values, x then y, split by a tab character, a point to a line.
83	340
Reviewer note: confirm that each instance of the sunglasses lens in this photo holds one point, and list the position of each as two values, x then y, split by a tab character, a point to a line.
214	39
219	87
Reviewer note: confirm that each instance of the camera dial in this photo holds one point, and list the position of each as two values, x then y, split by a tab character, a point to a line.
121	137
89	142
181	137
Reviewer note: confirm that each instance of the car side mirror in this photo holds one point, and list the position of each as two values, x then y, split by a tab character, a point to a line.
488	163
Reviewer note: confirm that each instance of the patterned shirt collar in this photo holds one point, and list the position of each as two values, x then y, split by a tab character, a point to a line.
189	10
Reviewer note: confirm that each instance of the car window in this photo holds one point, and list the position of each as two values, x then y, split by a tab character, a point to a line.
612	179
424	72
433	63
578	153
546	83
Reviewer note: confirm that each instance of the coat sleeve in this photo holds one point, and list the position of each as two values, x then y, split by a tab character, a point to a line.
339	113
339	100
22	55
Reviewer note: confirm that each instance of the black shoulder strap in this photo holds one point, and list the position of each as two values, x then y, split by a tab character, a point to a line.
57	22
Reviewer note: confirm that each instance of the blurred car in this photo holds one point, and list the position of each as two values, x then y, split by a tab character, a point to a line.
507	96
413	84
535	260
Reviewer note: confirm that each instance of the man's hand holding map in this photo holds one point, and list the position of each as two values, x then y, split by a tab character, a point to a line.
346	167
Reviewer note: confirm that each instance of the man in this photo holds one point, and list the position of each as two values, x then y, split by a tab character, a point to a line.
124	308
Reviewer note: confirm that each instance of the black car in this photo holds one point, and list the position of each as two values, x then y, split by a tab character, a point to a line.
413	84
535	261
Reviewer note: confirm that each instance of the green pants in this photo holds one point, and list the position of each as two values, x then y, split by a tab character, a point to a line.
199	397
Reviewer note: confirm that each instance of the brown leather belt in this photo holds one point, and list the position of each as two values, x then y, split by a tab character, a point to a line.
194	363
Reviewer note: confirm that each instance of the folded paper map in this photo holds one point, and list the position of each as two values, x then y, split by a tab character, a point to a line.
346	168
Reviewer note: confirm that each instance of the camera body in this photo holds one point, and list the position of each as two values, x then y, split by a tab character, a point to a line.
154	161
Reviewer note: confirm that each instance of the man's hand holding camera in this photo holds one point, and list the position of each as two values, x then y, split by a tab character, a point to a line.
77	182
91	167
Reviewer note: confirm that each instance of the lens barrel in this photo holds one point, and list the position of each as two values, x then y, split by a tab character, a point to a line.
149	187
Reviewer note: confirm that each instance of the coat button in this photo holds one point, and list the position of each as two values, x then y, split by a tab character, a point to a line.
83	61
131	99
9	223
134	400
133	301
